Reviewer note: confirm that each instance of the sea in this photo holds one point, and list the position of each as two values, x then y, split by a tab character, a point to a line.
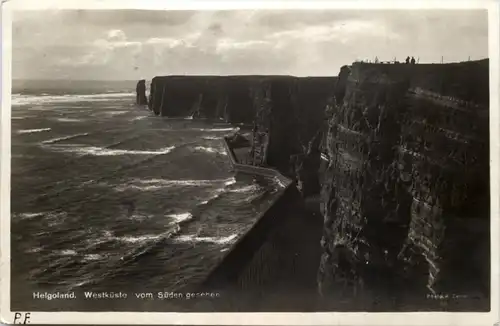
105	196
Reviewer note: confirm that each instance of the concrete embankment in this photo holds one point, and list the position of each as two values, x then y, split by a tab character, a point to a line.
230	268
279	255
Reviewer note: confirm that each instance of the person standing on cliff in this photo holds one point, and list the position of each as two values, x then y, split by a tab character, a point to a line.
408	59
412	60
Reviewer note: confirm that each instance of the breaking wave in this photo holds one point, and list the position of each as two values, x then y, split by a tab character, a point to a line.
68	120
182	217
155	184
19	99
214	240
30	131
219	129
101	151
210	150
55	140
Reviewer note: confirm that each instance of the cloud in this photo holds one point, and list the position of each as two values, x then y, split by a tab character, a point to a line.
226	45
342	30
127	44
116	35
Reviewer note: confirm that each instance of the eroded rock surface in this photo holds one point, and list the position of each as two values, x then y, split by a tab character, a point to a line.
405	198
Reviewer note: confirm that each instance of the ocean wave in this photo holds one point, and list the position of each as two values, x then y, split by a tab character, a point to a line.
210	150
30	131
93	257
29	216
155	184
19	99
68	120
214	195
140	118
251	188
55	140
65	252
214	240
113	113
218	192
101	151
219	129
34	250
211	138
230	181
138	239
179	218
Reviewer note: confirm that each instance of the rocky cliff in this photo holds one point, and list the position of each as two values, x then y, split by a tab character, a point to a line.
233	98
405	197
274	104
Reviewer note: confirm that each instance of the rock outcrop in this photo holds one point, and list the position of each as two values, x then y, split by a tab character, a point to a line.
406	195
141	98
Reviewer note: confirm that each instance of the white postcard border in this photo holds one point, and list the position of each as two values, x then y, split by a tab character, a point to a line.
333	318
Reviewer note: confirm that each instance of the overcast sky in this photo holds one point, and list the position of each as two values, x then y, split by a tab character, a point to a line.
128	45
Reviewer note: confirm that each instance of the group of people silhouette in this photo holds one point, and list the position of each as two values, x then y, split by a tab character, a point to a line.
412	60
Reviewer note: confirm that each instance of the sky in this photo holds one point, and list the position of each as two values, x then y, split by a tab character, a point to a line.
136	44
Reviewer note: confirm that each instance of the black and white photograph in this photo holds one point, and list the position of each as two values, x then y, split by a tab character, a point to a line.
250	161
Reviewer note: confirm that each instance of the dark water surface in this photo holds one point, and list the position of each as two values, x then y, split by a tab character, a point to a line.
106	197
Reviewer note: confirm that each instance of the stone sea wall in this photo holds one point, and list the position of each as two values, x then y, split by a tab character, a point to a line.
406	194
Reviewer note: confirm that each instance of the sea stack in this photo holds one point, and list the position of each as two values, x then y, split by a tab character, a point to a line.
141	93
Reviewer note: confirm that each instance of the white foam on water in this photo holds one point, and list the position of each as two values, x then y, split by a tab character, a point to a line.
139	118
68	120
66	252
55	219
245	189
182	217
55	140
140	217
229	182
18	99
113	113
93	257
30	131
215	194
195	239
138	239
28	216
101	151
180	118
34	250
210	150
211	138
219	129
183	182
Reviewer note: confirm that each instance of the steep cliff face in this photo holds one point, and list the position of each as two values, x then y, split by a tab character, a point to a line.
293	113
408	177
274	104
235	98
